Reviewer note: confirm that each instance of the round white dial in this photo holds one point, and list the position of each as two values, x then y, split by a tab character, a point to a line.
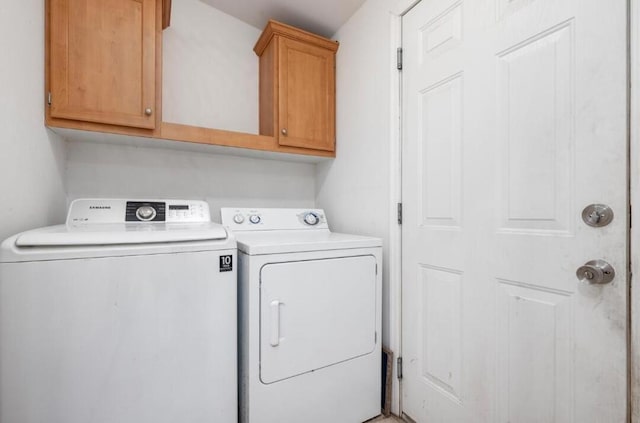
238	218
311	219
254	218
146	213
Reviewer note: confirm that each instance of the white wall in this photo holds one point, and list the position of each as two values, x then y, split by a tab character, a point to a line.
106	170
210	78
354	188
210	72
358	189
31	157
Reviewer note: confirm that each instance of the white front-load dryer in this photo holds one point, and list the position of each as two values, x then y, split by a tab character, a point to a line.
309	318
125	314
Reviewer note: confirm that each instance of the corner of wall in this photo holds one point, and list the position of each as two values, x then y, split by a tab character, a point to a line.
33	159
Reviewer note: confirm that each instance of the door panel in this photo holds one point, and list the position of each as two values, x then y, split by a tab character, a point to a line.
441	317
535	337
441	172
535	123
514	120
315	313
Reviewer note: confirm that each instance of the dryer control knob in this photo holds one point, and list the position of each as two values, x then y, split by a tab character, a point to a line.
254	218
146	213
311	219
238	218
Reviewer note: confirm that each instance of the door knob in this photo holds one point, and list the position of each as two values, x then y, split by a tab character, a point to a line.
596	272
284	131
148	111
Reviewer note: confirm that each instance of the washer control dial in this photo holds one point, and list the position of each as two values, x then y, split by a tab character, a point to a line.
254	218
146	213
311	219
238	218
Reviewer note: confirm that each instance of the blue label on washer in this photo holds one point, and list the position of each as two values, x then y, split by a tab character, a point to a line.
226	263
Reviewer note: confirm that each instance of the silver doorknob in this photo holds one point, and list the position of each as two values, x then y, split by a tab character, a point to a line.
596	271
148	111
284	131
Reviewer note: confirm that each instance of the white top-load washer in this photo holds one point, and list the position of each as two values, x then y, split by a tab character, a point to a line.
309	318
125	314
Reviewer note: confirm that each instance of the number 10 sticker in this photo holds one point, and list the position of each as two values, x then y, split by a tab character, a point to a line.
226	263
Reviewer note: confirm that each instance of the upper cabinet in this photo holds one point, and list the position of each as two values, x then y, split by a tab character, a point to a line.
297	87
103	70
102	61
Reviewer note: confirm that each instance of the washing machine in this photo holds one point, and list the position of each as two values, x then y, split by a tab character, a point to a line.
309	318
125	314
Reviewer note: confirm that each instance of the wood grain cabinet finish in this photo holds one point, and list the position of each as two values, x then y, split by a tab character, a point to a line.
102	61
103	70
297	87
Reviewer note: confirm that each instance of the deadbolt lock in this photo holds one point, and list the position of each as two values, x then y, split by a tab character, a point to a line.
597	215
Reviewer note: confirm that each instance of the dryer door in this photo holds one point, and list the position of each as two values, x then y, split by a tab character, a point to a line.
315	313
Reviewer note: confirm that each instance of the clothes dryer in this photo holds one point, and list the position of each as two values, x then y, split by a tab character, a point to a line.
309	318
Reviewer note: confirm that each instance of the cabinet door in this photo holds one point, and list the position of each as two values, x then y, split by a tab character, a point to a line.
306	96
102	61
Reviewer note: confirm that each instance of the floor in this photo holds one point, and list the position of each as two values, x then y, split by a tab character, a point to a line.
382	419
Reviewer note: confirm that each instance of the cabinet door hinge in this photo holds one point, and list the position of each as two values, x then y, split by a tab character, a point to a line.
399	365
399	58
49	98
399	213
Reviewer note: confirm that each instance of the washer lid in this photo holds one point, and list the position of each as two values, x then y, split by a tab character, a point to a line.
119	234
275	242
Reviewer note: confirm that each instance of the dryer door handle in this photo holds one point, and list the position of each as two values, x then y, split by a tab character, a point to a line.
275	323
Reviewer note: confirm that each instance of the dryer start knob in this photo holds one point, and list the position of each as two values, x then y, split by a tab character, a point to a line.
254	218
311	219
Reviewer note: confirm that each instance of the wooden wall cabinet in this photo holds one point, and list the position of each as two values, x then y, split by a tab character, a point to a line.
297	87
103	75
102	61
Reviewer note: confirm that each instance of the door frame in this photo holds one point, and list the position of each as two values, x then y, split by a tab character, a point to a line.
634	197
398	9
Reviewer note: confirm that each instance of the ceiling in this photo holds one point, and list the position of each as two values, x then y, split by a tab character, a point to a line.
320	17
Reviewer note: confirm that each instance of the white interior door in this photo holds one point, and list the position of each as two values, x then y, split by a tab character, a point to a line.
514	120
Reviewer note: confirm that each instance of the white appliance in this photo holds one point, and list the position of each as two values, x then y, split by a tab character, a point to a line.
309	318
126	314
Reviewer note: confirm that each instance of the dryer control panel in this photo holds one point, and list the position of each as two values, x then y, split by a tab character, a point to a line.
266	219
109	210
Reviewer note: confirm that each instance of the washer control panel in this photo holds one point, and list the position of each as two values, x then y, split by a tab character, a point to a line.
107	210
245	219
146	211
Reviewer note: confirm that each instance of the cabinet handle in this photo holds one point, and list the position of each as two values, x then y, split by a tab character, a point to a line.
284	131
148	111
